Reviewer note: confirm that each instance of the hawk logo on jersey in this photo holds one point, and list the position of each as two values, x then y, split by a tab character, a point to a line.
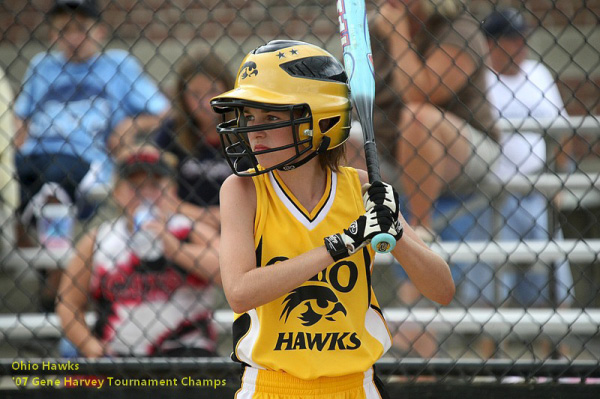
326	302
249	69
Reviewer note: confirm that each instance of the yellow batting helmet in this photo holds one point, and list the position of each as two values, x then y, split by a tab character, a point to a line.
293	76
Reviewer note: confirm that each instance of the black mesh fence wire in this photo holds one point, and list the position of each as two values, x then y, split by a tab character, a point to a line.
522	240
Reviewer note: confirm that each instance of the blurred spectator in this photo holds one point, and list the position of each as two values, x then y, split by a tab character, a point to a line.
580	209
74	101
191	132
521	88
147	305
435	128
8	187
432	54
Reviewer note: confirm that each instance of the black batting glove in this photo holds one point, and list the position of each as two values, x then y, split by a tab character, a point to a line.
379	193
379	219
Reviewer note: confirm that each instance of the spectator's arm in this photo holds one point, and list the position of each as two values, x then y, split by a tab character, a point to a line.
124	134
21	128
209	215
568	151
199	256
170	204
565	153
443	73
143	104
73	299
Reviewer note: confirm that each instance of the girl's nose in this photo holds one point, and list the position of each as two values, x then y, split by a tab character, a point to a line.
257	134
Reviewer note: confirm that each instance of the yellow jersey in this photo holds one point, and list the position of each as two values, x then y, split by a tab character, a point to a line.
331	325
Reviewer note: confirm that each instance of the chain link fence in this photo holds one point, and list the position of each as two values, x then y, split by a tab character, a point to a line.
522	239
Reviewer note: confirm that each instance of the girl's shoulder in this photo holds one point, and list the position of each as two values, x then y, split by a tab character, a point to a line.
238	199
354	173
238	186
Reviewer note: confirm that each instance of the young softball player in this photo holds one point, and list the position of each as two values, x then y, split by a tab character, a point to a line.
295	263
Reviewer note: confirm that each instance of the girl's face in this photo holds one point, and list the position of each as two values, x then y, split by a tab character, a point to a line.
264	140
198	92
141	187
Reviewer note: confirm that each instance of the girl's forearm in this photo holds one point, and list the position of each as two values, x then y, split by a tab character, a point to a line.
247	291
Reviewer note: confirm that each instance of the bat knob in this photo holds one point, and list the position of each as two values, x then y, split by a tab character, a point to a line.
383	243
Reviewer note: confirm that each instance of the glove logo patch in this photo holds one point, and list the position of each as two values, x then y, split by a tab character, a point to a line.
353	229
333	239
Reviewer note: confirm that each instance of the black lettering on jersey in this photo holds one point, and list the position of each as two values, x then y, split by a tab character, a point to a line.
331	276
249	69
317	341
323	297
284	338
354	339
299	342
321	276
334	341
352	278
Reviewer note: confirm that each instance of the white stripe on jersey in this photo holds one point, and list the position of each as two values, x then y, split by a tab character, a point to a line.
376	326
246	344
299	215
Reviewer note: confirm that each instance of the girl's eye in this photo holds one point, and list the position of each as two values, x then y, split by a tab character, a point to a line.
272	118
248	117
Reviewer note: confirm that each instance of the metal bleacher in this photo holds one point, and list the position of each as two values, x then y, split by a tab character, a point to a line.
495	322
460	320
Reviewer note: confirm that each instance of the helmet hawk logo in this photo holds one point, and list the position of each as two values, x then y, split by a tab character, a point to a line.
324	298
249	69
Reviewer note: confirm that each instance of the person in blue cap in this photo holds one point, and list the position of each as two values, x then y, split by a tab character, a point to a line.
523	88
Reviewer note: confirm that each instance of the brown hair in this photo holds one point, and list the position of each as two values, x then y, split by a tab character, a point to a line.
197	63
333	158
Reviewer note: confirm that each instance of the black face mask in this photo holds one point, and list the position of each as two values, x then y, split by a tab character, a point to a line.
234	136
